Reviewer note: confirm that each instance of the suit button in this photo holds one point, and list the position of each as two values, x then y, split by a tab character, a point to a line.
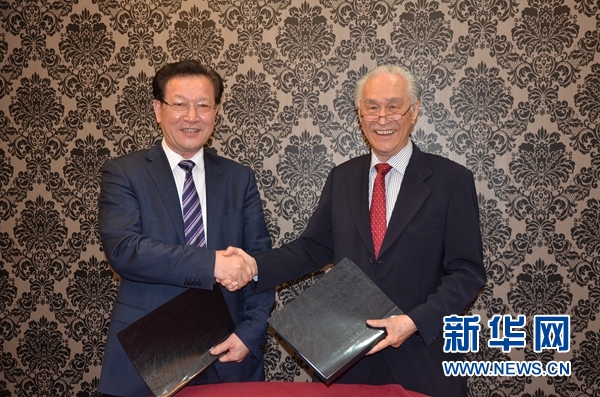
371	260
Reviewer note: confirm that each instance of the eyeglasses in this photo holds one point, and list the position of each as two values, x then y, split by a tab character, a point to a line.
390	116
181	107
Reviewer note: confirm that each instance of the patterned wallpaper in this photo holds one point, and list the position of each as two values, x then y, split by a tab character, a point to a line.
512	90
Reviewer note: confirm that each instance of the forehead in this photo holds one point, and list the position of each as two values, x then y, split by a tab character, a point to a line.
193	87
385	88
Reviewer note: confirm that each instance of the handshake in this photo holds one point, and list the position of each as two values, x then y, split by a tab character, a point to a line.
234	268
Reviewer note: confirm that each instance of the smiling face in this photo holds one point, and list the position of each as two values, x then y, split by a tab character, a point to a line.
186	132
384	94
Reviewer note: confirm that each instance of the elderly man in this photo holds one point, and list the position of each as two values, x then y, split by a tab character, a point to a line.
410	221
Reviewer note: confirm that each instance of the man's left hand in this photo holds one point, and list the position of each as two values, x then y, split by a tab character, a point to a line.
235	348
399	328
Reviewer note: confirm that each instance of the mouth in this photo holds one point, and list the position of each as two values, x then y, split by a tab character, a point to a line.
384	132
190	130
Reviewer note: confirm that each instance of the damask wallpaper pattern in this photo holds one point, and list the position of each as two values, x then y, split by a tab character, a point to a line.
512	91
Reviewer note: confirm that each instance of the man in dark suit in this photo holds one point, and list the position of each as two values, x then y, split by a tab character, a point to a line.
142	217
415	233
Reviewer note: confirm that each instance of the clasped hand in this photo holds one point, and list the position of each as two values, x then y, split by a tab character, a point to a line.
234	268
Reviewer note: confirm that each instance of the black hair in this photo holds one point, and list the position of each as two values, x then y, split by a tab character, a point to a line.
185	68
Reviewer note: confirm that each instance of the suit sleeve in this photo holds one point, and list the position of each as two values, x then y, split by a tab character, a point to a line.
309	253
256	307
146	252
464	272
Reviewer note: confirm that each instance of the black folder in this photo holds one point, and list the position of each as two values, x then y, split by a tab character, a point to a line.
170	345
326	324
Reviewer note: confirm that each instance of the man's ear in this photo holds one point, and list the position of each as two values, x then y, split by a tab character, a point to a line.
157	105
415	112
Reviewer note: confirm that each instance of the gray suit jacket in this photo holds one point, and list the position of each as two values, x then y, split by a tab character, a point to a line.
430	263
141	227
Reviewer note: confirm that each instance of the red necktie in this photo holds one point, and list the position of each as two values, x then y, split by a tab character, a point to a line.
378	216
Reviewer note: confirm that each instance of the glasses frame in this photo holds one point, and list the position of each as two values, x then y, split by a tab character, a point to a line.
190	105
395	116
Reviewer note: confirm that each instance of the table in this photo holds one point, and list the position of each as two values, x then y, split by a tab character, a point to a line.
294	389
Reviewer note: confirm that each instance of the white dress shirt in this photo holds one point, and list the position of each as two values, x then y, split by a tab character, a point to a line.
197	173
393	179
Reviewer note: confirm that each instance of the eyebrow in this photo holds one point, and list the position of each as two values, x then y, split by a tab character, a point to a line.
179	97
393	99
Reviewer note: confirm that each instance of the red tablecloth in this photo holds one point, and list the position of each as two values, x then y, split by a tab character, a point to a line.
294	389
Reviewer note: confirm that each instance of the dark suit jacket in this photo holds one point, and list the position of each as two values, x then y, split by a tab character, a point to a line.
430	264
141	227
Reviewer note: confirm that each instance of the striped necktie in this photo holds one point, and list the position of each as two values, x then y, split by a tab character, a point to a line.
192	210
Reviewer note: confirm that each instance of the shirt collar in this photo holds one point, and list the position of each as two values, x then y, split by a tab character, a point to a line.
399	161
175	158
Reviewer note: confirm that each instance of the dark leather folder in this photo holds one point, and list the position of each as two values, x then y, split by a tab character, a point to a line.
326	324
170	345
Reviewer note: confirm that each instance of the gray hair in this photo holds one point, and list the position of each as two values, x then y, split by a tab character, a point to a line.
414	87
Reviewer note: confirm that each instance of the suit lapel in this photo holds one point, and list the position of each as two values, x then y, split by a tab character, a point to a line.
161	174
359	203
215	197
412	195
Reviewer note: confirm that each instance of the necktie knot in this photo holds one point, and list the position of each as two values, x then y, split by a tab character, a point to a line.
383	168
187	165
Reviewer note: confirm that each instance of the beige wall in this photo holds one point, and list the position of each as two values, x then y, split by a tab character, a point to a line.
511	91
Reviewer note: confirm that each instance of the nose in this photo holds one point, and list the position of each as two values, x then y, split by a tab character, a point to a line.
382	119
191	113
382	116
